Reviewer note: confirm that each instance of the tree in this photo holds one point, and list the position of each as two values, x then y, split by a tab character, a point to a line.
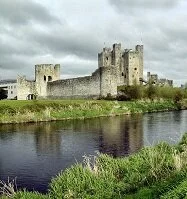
151	90
3	94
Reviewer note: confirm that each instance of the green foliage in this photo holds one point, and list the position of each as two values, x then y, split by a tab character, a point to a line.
178	96
130	92
152	173
29	195
32	111
152	92
178	192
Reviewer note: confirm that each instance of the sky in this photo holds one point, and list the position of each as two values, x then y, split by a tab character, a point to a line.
72	33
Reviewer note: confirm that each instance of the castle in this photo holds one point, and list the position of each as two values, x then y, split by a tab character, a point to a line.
161	82
116	67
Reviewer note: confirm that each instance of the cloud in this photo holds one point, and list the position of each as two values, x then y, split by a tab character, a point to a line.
21	12
141	5
72	33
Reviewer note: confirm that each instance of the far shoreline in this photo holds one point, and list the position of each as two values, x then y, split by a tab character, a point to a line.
15	112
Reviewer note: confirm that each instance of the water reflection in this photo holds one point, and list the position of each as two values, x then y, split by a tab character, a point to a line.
116	136
37	152
119	137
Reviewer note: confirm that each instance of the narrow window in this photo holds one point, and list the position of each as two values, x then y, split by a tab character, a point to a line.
135	68
122	74
49	78
44	78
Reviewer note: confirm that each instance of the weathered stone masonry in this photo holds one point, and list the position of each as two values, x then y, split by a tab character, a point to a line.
115	67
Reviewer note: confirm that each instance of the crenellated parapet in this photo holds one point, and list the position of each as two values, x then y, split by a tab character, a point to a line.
128	63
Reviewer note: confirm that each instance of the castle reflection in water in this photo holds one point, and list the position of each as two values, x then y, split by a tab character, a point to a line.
117	136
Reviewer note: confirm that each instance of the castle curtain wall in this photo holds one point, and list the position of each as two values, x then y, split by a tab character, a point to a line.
82	87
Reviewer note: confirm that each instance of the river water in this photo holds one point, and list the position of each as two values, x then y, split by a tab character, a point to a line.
34	153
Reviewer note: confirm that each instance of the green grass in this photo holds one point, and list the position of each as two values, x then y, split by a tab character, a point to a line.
47	110
154	172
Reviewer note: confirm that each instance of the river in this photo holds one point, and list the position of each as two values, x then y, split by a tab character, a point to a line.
34	153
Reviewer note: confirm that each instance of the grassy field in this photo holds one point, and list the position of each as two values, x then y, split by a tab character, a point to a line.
13	111
154	172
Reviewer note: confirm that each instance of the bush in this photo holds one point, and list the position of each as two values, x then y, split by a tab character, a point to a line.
126	93
178	96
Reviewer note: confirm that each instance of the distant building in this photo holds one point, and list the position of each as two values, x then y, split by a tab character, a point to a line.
11	87
161	82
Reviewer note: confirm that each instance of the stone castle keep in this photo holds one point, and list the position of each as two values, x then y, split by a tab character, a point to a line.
115	67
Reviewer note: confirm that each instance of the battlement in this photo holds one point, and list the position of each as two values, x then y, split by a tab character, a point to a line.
47	67
116	46
139	48
107	50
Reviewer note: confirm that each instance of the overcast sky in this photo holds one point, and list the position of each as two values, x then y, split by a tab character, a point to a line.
73	32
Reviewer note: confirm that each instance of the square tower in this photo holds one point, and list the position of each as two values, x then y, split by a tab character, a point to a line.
45	73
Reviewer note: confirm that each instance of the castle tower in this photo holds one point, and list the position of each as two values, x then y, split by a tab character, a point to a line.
133	65
45	73
105	58
139	50
116	55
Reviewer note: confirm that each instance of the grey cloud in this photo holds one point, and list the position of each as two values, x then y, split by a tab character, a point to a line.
30	34
140	5
74	42
20	12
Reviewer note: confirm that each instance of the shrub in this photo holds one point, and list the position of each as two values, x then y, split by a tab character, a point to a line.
130	92
178	96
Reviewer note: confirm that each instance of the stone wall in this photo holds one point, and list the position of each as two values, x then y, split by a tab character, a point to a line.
82	87
25	88
108	81
102	82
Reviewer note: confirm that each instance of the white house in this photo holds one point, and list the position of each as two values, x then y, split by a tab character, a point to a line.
11	87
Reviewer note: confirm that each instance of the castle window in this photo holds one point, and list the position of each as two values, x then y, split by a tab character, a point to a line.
44	78
49	78
106	58
122	74
135	68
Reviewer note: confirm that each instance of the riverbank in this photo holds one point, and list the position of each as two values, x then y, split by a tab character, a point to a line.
153	172
51	110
